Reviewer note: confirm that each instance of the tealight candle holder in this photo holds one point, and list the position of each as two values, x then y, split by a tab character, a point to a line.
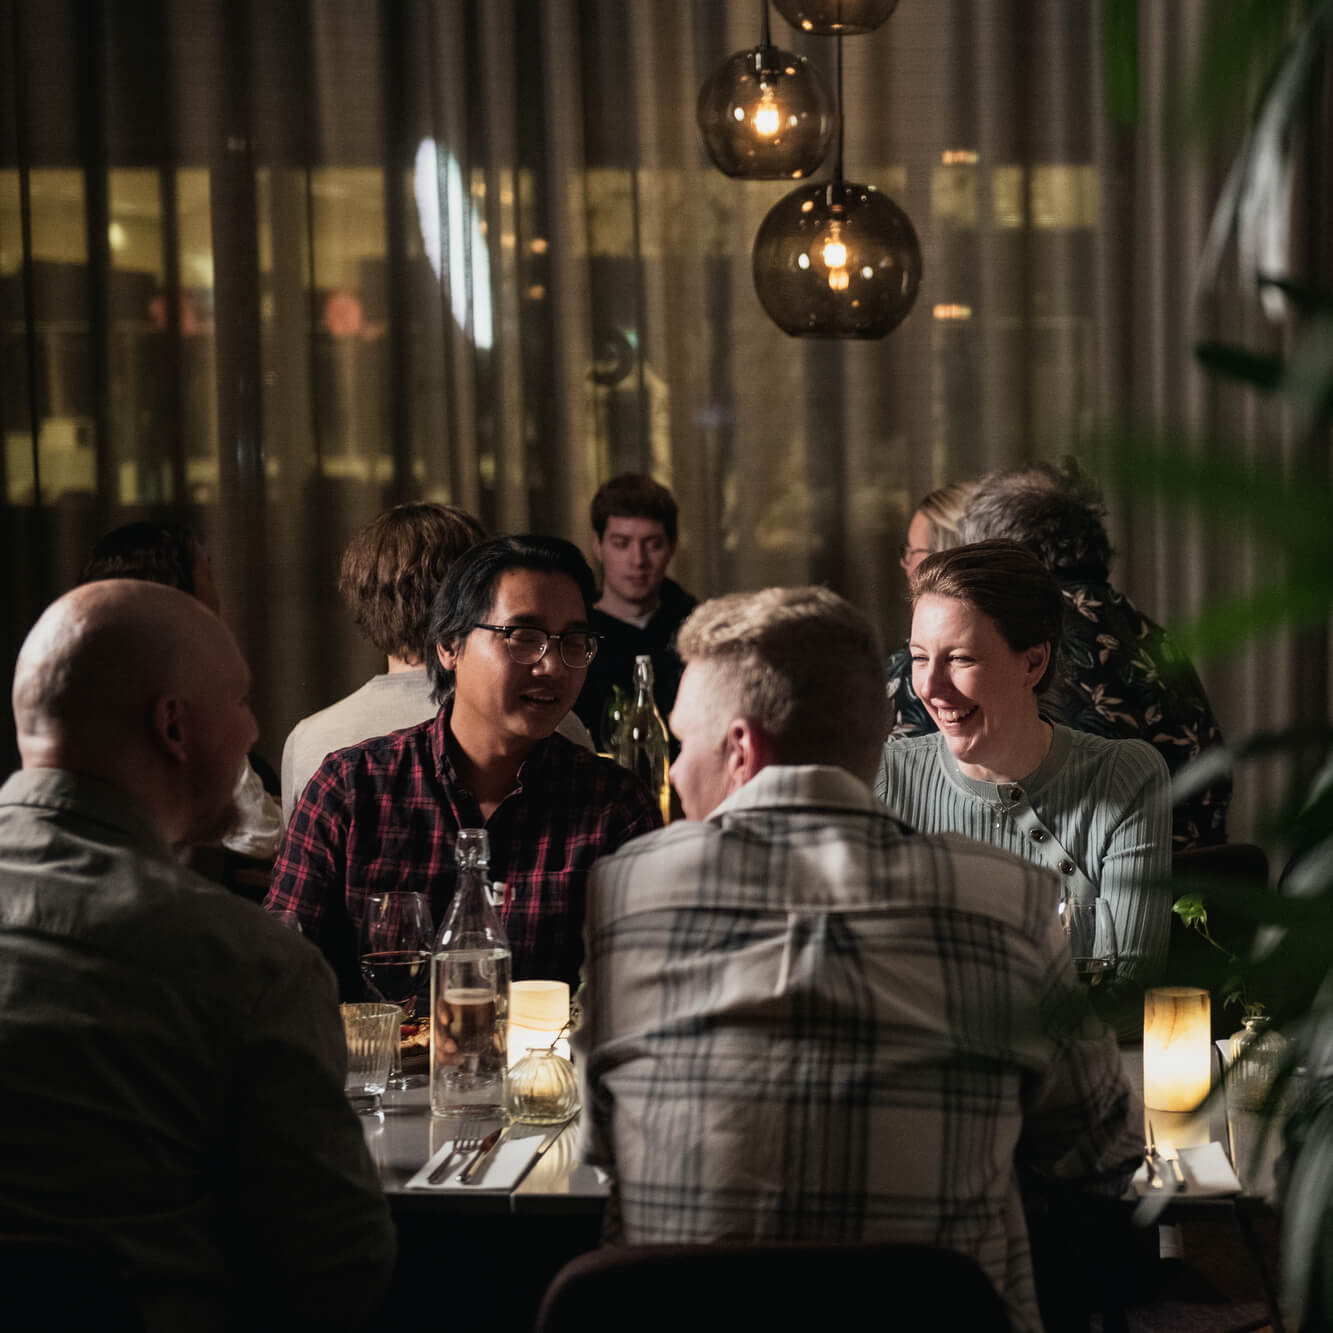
1177	1047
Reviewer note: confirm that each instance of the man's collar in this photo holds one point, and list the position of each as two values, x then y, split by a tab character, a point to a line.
672	601
88	797
448	755
641	621
787	786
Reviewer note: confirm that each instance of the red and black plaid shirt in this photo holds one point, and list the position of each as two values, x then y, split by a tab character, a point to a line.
384	815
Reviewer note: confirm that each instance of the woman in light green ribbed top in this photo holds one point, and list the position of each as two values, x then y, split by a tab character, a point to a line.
985	637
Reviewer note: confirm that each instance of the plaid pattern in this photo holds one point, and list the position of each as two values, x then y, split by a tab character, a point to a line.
804	1021
384	815
1124	678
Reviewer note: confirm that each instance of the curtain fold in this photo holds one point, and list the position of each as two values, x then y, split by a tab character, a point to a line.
275	267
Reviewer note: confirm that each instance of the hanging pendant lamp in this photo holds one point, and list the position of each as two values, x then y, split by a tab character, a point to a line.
835	259
847	18
765	114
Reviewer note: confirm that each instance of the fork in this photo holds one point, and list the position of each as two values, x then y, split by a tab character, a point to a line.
468	1139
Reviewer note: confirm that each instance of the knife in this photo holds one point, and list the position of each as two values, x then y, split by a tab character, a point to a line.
488	1144
1170	1159
555	1132
1162	1185
548	1141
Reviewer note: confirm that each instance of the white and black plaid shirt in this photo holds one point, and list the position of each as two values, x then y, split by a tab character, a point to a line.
804	1021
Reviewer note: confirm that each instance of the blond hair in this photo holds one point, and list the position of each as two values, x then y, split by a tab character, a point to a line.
943	510
803	665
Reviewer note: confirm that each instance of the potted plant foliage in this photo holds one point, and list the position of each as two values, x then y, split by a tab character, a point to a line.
1272	226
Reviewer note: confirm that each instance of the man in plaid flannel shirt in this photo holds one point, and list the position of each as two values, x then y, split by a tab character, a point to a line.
510	638
804	1021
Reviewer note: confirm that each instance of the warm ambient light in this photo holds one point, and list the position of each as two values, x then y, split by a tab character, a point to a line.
765	114
837	260
835	253
767	118
538	1011
1177	1048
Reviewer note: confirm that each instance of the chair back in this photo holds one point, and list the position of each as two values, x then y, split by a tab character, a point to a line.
726	1287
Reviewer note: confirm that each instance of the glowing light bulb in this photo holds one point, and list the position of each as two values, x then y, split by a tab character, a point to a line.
834	252
767	118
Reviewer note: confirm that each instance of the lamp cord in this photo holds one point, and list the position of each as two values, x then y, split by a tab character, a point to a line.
837	162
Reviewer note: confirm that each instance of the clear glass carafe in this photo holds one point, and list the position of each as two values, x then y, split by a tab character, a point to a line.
469	993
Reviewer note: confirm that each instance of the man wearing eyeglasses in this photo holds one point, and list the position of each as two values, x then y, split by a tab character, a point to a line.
391	571
511	644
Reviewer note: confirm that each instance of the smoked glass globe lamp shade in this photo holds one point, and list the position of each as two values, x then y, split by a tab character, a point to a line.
830	17
765	115
837	260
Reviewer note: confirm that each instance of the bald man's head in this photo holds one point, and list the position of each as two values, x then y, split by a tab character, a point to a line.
144	687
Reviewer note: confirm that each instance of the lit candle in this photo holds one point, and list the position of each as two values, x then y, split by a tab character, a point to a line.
1177	1047
538	1010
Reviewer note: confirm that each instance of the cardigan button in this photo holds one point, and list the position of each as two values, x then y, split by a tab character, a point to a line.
1066	867
1038	835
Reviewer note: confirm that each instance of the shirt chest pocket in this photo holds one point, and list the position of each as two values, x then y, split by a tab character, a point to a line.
394	863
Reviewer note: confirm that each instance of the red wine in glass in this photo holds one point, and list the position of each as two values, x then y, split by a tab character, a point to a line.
396	975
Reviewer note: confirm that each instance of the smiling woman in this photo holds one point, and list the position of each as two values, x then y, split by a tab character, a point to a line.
985	645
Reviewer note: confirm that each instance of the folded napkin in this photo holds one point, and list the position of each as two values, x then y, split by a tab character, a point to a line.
503	1169
1205	1168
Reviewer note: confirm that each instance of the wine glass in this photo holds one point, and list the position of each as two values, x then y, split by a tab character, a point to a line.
613	714
396	935
1090	930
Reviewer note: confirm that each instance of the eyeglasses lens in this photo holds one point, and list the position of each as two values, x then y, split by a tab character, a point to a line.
527	646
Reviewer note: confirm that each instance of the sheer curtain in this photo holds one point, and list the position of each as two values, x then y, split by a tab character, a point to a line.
276	266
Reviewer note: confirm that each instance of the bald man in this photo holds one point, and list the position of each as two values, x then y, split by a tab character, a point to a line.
171	1061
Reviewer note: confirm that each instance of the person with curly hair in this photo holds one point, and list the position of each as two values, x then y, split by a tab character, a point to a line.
1123	676
390	572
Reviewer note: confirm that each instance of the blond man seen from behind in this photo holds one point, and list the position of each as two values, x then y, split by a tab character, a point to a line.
803	1020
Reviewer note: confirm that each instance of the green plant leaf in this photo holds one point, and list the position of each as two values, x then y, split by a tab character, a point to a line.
1242	41
1120	47
1190	909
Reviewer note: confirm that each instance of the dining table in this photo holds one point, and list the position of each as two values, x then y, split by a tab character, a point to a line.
480	1255
511	1238
1247	1137
404	1137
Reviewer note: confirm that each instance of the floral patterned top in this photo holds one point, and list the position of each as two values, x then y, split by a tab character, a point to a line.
1122	675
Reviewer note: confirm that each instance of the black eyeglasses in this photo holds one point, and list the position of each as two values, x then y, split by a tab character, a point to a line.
905	550
527	644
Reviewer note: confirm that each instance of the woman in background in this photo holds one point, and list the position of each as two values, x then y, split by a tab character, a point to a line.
936	525
986	629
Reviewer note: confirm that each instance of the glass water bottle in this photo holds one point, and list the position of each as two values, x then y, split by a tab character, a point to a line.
469	993
641	741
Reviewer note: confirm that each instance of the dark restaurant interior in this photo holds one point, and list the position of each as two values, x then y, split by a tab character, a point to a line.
268	268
